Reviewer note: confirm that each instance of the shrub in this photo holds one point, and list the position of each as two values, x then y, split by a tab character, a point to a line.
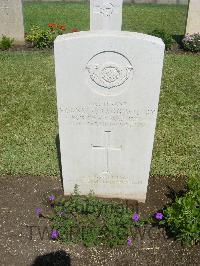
182	217
166	37
6	42
192	42
91	221
44	38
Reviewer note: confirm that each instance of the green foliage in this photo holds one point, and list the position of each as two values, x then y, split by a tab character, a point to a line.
194	184
182	217
192	42
92	221
6	42
166	37
42	38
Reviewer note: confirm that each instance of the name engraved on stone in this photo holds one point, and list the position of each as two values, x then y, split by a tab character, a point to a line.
107	148
106	114
108	70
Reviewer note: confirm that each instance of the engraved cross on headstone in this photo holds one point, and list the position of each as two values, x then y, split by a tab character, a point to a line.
107	148
106	15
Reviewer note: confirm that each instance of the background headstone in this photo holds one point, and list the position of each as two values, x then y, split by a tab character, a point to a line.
105	14
177	2
108	85
11	20
193	20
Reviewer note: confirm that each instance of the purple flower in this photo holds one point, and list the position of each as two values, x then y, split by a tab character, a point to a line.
54	234
158	215
136	217
52	198
38	212
129	241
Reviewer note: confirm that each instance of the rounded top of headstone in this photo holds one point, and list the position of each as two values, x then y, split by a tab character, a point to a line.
107	34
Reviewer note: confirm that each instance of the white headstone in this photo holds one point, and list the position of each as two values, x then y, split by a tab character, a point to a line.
193	20
11	20
108	86
105	15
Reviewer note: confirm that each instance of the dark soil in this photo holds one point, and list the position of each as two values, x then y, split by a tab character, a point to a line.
24	238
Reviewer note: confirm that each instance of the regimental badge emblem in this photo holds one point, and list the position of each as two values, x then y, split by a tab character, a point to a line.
107	9
109	69
109	75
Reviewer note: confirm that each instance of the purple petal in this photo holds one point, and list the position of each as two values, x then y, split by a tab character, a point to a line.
38	211
52	198
158	215
136	217
54	234
129	241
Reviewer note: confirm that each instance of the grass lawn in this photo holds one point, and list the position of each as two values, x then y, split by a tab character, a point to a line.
29	123
28	118
141	18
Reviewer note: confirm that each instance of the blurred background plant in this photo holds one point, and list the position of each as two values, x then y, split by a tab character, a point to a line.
192	42
5	42
166	37
44	38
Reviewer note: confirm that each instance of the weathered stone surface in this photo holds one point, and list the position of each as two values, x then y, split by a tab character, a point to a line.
193	21
105	14
11	20
181	2
108	88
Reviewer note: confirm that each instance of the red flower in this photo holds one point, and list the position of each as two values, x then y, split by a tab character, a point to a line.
62	27
52	25
74	30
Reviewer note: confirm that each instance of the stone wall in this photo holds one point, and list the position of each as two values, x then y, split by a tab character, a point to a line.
182	2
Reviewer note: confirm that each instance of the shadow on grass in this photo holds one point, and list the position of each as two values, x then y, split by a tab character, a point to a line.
58	258
178	39
57	140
